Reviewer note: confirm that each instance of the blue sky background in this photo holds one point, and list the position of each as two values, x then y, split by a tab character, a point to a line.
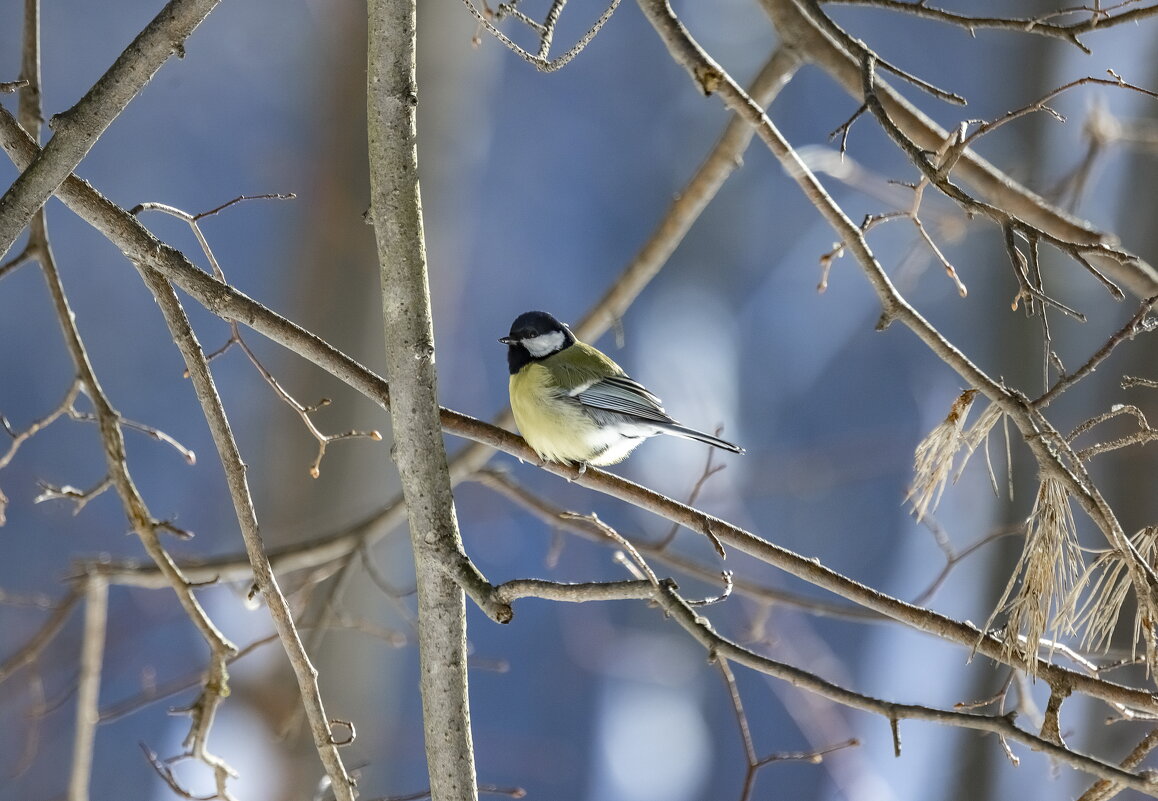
537	191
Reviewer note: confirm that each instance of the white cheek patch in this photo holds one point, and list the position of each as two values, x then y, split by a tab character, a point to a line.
544	344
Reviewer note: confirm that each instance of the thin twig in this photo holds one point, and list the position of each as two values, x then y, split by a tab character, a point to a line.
36	426
1103	789
96	610
722	648
546	30
303	411
696	625
1140	322
31	650
266	581
1097	18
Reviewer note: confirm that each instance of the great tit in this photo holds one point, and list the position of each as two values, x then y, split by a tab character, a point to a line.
574	404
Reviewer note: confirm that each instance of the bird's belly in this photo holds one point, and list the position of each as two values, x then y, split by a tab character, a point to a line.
558	428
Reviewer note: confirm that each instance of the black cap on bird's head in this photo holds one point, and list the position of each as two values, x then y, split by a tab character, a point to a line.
535	335
532	324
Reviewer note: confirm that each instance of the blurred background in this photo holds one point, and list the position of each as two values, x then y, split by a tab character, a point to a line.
537	191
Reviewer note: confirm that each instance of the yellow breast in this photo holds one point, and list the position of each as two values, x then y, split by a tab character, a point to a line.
552	428
558	431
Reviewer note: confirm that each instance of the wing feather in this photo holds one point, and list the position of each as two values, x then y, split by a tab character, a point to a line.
625	396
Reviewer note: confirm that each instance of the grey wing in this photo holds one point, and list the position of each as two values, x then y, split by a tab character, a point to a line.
623	395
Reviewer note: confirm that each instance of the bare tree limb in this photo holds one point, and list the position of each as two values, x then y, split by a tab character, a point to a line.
235	473
719	647
1096	18
1055	458
77	129
804	28
701	629
1104	789
442	568
637	590
32	649
725	157
96	610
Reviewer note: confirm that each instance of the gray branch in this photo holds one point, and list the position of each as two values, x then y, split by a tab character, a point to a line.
341	783
439	561
78	128
88	683
807	31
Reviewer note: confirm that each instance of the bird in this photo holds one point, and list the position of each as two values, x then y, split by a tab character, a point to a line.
574	405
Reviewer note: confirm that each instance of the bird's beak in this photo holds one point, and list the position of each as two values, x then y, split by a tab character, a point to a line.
508	340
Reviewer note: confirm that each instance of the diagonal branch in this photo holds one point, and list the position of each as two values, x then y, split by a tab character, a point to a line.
34	647
701	629
109	422
687	207
1054	456
77	129
235	473
666	595
689	203
1097	18
804	28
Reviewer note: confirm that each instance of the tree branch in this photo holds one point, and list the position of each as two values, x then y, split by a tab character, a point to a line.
235	474
96	609
1054	457
725	157
701	629
440	564
1097	19
665	594
805	29
77	129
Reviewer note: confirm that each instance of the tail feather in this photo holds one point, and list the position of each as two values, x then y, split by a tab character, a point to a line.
690	433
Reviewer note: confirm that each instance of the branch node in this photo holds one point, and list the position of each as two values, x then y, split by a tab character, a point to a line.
351	733
709	78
